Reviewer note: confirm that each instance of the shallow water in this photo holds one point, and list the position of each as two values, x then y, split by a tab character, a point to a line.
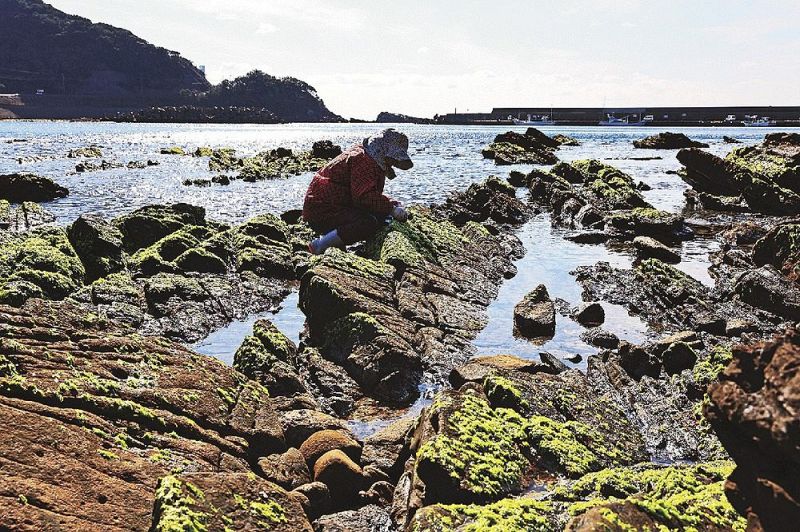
447	159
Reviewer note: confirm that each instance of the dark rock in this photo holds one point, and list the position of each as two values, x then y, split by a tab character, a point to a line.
730	140
535	315
779	248
566	140
647	247
17	188
590	314
342	476
553	362
767	289
678	357
668	141
99	245
387	450
600	338
325	149
589	237
569	173
299	425
753	410
518	179
637	362
379	493
532	147
740	174
649	222
318	497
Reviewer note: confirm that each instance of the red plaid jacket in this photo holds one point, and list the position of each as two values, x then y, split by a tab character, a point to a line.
351	180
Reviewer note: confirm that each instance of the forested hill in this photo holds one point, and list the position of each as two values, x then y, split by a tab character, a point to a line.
96	70
44	48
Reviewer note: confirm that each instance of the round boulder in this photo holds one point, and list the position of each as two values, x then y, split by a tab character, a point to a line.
323	441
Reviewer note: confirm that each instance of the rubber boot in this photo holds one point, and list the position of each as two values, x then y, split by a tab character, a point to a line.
319	245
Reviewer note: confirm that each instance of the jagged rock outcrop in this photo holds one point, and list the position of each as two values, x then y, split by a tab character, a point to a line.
766	175
753	409
531	147
668	141
671	300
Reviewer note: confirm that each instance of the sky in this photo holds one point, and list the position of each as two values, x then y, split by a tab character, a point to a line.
426	57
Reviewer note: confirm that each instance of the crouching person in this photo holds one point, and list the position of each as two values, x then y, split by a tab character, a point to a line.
345	201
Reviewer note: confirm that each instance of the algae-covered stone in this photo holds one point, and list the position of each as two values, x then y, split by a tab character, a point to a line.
647	221
41	263
87	151
675	497
218	501
262	246
144	227
99	245
668	141
478	452
609	187
174	150
509	514
422	238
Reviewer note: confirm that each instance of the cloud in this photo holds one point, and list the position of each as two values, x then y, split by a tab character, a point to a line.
266	28
422	50
316	13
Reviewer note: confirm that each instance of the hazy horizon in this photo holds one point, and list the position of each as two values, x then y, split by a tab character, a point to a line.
434	58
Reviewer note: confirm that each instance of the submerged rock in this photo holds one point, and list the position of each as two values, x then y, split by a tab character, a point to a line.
17	188
753	410
668	141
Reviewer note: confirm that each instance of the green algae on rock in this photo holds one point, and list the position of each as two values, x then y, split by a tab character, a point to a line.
41	263
479	453
679	496
609	187
224	501
508	514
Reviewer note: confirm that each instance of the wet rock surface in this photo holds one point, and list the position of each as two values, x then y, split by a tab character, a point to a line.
17	188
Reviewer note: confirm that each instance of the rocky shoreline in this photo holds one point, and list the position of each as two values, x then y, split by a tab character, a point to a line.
115	424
